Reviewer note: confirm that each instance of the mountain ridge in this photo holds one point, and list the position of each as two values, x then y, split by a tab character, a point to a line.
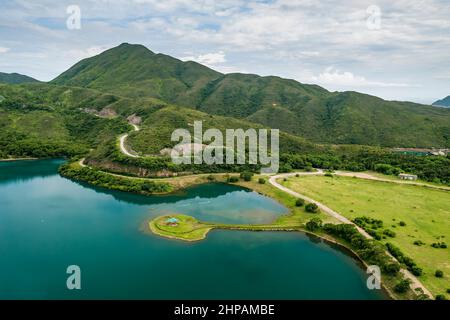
305	110
15	78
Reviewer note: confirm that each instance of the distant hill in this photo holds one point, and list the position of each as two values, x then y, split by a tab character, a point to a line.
307	110
443	103
15	78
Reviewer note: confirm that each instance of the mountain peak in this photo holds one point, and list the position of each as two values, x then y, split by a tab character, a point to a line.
443	103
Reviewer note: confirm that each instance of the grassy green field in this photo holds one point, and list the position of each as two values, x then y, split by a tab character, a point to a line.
425	211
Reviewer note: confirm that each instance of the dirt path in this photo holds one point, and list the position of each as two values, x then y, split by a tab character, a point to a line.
363	175
415	283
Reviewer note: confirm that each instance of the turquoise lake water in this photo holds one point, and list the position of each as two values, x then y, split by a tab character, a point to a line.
48	223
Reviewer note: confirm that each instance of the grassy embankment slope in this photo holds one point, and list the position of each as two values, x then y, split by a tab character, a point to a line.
424	210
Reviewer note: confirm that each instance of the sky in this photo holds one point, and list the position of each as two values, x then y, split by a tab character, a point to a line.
397	50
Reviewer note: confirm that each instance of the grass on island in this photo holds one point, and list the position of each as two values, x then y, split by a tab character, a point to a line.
425	211
185	228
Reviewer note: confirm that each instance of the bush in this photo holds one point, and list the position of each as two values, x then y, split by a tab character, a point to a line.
211	178
440	297
246	176
389	233
328	174
448	290
233	179
374	234
439	245
312	208
366	222
402	286
402	224
299	202
261	181
392	268
418	243
415	270
314	224
439	274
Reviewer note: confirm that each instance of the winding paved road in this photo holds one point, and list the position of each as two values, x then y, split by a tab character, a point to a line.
122	143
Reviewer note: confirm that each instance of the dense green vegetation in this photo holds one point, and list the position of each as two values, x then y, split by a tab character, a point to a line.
354	158
306	110
101	179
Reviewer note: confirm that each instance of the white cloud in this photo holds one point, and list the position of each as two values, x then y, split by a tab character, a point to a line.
4	49
85	53
332	76
209	59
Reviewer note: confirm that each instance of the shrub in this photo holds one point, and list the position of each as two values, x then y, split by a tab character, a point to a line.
364	221
448	290
328	174
312	208
402	223
233	179
297	175
392	268
261	181
402	286
439	274
374	234
314	224
389	233
439	245
211	178
415	270
418	243
440	297
299	202
247	176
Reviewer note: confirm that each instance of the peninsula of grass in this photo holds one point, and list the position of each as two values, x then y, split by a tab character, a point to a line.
187	228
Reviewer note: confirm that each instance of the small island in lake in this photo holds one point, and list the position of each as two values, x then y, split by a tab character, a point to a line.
180	227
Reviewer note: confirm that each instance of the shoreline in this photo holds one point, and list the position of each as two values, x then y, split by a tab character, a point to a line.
151	227
274	227
219	178
18	159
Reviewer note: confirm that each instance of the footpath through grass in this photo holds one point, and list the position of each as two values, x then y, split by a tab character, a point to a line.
424	211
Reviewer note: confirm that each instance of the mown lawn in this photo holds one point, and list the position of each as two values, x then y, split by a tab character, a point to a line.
425	211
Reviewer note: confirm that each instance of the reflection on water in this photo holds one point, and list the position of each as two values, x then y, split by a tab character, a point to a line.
11	171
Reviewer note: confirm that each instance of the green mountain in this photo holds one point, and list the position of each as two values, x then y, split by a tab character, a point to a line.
443	103
15	78
309	111
50	120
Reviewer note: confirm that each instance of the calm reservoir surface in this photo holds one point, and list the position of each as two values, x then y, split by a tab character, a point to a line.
48	223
